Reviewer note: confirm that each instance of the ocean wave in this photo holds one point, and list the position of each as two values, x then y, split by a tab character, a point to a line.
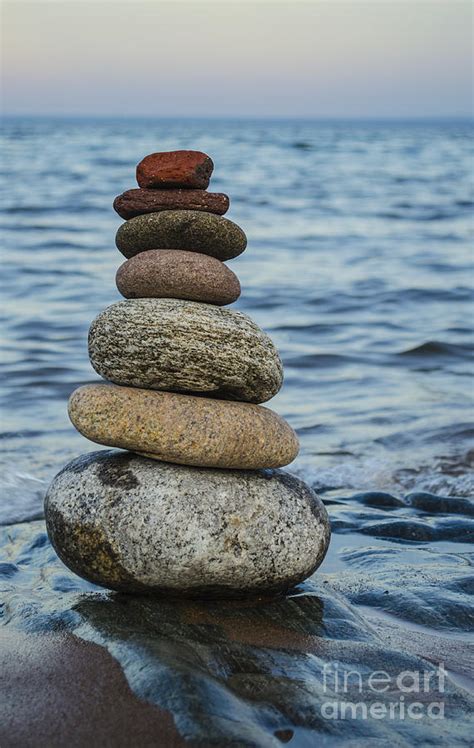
436	348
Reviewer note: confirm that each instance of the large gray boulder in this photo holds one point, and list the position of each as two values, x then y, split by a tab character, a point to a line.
185	346
133	524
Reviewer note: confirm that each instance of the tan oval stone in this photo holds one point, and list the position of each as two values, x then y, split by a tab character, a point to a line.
176	274
183	429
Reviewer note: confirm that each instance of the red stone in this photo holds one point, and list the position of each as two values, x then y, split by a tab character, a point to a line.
188	169
137	202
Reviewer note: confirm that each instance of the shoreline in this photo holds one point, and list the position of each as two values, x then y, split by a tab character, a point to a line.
169	668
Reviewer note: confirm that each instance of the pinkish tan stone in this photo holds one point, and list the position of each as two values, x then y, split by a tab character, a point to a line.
183	429
176	274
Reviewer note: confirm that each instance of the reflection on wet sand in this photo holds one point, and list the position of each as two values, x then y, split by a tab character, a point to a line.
254	672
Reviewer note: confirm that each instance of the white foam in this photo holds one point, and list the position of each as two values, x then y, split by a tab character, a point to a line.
22	496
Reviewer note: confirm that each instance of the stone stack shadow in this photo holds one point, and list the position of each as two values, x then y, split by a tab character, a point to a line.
196	505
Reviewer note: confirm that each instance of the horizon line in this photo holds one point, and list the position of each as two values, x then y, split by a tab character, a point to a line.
296	118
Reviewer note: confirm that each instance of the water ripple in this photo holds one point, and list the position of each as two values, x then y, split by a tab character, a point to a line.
358	265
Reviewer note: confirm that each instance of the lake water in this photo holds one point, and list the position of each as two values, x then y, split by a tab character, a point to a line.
359	266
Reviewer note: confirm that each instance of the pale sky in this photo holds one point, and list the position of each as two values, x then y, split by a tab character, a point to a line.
313	58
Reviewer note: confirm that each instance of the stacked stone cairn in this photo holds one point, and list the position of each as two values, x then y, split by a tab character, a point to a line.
195	505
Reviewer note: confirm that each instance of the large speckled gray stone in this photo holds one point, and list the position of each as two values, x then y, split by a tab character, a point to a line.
185	346
137	525
192	230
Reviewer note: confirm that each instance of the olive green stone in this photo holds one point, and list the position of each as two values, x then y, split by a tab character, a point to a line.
191	230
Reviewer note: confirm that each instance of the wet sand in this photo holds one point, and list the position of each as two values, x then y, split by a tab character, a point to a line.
80	666
57	690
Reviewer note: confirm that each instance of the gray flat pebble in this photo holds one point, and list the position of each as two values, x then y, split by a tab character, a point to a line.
185	346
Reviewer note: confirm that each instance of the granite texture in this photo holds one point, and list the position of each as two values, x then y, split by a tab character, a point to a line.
191	169
191	230
176	274
185	346
182	428
136	202
136	525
